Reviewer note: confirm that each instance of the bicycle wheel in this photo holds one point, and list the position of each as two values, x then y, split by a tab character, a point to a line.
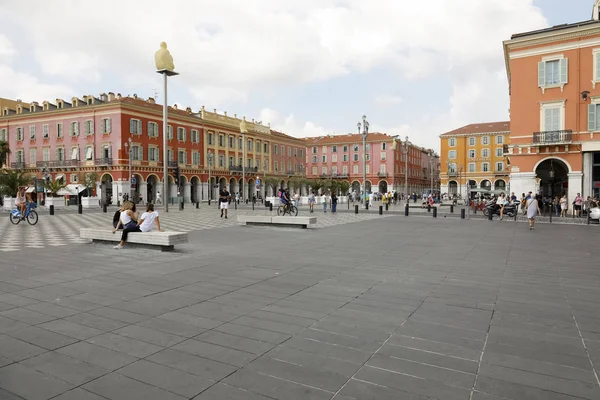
14	220
32	217
294	211
280	210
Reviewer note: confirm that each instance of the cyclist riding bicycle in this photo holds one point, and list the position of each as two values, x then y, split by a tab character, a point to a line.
285	199
22	199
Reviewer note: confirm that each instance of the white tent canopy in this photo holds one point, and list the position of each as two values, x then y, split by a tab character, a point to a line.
71	190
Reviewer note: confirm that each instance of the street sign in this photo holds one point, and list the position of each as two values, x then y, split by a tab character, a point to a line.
133	180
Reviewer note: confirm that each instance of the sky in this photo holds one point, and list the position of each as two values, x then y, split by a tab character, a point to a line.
311	67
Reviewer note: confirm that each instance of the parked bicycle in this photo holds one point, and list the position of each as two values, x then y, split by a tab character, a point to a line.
30	215
287	209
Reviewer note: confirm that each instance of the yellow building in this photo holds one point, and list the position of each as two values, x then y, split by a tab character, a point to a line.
474	156
11	104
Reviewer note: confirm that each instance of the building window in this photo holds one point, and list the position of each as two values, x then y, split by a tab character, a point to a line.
314	159
485	167
276	148
60	154
266	148
196	158
195	136
382	155
221	161
472	167
383	146
152	129
499	152
314	170
382	169
89	127
345	158
472	141
74	129
485	140
19	134
231	142
181	134
345	170
32	132
137	153
452	154
222	141
45	131
3	135
345	148
452	168
74	178
169	132
334	158
355	147
211	138
355	169
257	146
368	169
499	166
551	119
499	139
282	150
89	153
31	156
153	154
75	153
105	126
295	152
324	158
485	153
452	142
135	126
276	166
59	130
553	72
289	151
324	170
334	149
314	150
356	157
181	157
472	153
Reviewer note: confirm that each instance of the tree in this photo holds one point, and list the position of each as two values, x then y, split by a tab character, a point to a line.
316	184
53	186
11	180
272	182
88	179
344	187
4	152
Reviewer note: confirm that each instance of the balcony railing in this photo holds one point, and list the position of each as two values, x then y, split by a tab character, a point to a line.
451	173
553	137
382	174
17	165
238	168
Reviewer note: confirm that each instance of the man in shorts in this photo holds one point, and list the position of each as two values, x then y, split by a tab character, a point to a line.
223	201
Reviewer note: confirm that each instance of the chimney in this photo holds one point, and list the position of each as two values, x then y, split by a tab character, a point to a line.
103	97
225	113
119	96
151	100
111	96
215	110
135	96
188	110
175	107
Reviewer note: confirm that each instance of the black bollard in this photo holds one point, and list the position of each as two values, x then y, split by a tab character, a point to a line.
209	202
462	213
80	209
428	207
406	210
52	211
197	204
434	212
356	210
270	206
588	216
252	206
386	206
366	205
104	207
451	208
491	214
551	215
181	206
516	213
380	210
246	201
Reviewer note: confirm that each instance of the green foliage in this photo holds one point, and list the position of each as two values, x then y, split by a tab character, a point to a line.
54	186
4	152
344	187
10	180
88	179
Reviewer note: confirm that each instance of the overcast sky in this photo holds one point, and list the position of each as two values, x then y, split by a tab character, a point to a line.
310	67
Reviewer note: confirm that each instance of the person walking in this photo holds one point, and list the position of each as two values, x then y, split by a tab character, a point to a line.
296	199
533	209
311	201
563	206
224	201
324	198
577	204
158	198
334	201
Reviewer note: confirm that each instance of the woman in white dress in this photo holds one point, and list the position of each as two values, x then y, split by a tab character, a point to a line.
563	206
533	209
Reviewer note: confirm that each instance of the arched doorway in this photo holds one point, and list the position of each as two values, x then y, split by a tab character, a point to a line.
211	188
500	185
485	184
222	184
184	188
452	188
368	187
553	175
383	187
473	184
106	188
251	189
152	186
233	187
356	187
194	186
136	194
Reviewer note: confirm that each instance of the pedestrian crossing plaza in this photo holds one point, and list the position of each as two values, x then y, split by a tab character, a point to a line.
62	228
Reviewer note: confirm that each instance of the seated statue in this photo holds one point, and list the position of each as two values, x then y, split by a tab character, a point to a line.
243	126
163	58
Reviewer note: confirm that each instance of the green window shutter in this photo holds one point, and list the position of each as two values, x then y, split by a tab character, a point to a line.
597	59
591	117
541	74
547	119
564	70
108	125
102	126
92	127
149	131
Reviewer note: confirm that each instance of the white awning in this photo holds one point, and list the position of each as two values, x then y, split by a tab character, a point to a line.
75	153
71	189
30	189
59	176
88	153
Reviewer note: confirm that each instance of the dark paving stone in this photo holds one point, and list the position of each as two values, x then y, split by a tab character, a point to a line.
431	358
224	392
235	342
269	325
78	394
314	361
171	327
253	333
152	336
275	388
9	325
17	350
327	349
96	355
70	329
361	390
195	365
68	369
52	310
193	320
122	344
170	379
215	352
26	316
117	387
515	391
339	339
30	384
97	322
119	315
539	355
42	338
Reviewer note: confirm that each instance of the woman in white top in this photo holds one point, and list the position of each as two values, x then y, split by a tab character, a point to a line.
563	206
21	200
144	224
501	202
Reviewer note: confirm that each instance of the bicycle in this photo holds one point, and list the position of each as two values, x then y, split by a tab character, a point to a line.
30	215
289	209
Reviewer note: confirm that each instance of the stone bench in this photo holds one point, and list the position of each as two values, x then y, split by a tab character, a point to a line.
166	241
266	220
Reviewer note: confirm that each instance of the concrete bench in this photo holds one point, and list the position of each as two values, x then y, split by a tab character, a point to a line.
265	220
166	241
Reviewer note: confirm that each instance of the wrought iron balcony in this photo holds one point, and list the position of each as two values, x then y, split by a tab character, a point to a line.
238	168
553	137
382	174
103	161
339	176
452	173
57	163
17	165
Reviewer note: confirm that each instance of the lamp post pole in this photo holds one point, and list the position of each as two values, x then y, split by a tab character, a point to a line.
129	150
405	152
364	124
166	73
243	163
210	160
431	170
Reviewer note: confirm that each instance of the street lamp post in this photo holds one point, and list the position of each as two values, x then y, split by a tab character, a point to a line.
364	124
243	131
129	149
431	170
405	152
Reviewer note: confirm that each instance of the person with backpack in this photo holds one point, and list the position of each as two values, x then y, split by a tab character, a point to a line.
284	198
311	201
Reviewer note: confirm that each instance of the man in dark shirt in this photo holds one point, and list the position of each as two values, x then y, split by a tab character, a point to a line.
224	201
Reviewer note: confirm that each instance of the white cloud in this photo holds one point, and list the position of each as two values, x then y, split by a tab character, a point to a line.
388	99
6	47
19	85
289	125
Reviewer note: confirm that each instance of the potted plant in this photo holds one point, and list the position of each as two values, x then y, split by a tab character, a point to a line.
88	180
10	181
52	188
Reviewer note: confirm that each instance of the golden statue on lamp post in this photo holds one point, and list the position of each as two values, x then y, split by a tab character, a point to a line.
163	58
